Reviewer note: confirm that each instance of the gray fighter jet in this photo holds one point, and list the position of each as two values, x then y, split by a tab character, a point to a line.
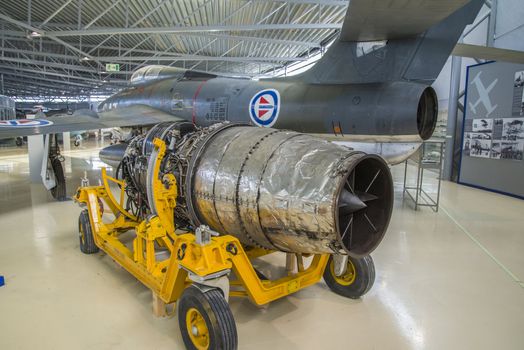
371	89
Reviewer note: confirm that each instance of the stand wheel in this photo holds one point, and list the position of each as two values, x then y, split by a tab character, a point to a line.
19	142
357	281
59	191
87	241
77	143
206	321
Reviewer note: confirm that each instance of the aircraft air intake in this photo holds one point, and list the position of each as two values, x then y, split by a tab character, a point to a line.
275	189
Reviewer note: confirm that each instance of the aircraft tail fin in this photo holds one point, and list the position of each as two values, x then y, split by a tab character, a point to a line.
412	46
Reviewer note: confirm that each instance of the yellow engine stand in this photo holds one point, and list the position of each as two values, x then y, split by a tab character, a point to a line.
192	258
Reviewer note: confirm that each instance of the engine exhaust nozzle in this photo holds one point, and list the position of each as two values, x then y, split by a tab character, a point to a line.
289	191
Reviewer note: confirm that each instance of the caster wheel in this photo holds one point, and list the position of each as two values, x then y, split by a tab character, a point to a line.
87	241
77	143
357	281
19	142
206	321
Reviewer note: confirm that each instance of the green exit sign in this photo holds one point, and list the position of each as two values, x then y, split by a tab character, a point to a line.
112	67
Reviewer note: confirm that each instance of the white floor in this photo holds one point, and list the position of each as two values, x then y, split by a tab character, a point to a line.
446	280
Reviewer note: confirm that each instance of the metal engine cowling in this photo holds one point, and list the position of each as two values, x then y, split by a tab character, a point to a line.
280	189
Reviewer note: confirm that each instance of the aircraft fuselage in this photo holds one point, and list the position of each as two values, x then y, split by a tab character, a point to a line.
384	114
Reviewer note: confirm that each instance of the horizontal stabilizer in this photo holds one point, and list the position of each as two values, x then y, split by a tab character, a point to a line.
489	53
372	20
89	120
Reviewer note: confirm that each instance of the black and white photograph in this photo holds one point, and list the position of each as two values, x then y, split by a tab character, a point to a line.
498	126
496	148
513	129
518	94
480	148
512	150
467	143
483	125
519	79
481	136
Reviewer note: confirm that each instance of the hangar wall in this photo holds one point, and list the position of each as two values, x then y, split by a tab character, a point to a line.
510	25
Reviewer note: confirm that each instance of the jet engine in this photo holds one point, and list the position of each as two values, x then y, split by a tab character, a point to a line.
274	189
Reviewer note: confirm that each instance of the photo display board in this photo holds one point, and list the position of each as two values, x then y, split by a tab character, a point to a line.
492	155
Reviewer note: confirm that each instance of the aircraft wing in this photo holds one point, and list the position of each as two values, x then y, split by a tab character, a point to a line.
85	120
373	20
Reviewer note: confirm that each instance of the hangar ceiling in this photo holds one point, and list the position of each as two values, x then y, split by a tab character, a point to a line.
55	48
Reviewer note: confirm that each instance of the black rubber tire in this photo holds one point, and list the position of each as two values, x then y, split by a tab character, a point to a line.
59	191
76	143
87	241
364	277
216	313
19	142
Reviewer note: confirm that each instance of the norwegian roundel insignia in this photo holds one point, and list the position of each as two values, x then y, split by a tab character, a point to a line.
264	107
24	123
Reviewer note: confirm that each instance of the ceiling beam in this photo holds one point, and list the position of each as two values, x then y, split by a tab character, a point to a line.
169	57
51	64
18	35
140	20
22	36
38	31
310	44
47	85
40	25
59	90
102	14
192	29
55	81
199	58
40	53
34	85
24	55
60	66
55	74
313	2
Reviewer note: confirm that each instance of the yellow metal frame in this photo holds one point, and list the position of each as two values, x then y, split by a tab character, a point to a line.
167	278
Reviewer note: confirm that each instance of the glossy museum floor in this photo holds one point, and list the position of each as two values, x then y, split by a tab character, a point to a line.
446	280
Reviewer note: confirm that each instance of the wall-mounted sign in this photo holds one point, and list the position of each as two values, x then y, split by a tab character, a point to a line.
492	154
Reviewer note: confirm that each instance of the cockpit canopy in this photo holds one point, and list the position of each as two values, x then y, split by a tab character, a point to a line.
153	73
149	73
